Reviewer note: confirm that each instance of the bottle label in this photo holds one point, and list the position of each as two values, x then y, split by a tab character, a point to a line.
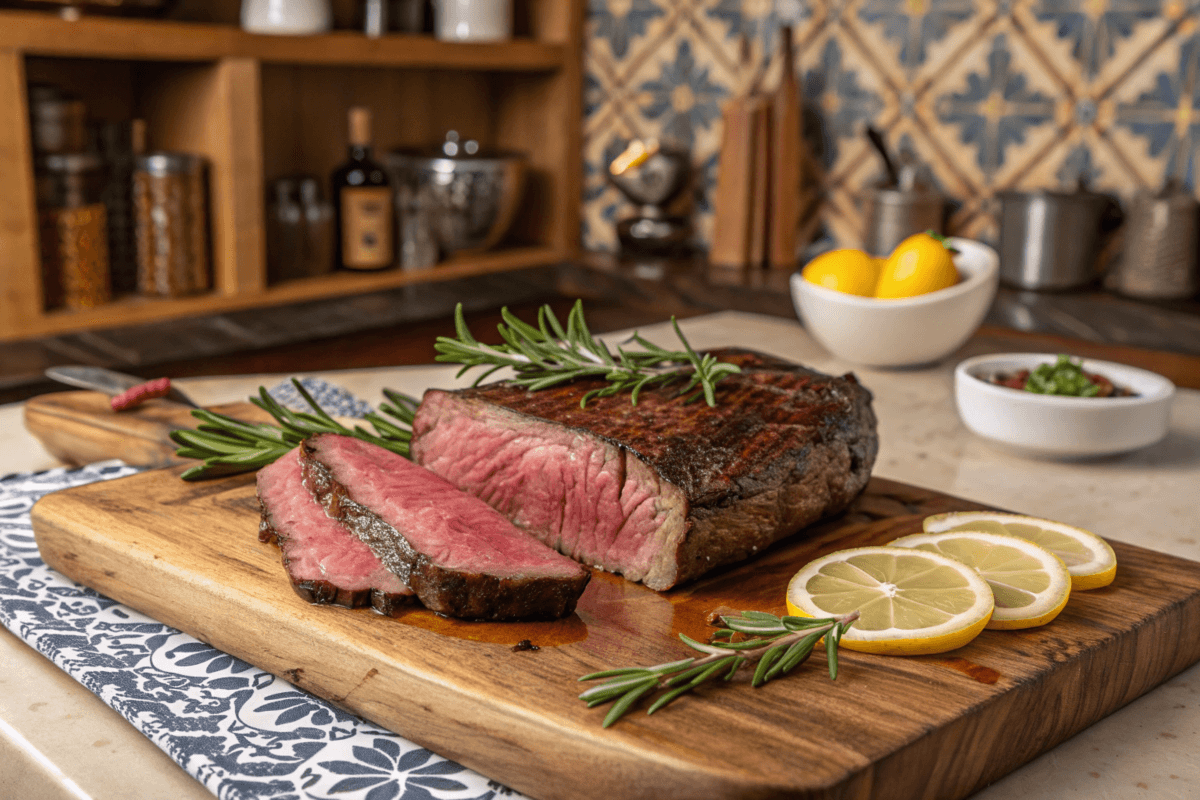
367	227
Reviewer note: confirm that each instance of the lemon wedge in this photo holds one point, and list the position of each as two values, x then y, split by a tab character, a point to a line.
1031	585
911	602
1089	559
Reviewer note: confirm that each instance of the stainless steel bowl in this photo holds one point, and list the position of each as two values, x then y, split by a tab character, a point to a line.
469	200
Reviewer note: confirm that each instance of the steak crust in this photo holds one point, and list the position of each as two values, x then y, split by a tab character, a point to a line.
460	557
663	491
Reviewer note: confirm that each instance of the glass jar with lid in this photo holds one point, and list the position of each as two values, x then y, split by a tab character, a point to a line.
170	207
73	231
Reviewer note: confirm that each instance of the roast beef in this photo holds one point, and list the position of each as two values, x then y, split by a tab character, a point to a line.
459	555
662	491
324	560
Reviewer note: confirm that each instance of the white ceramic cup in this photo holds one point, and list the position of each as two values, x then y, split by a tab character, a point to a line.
287	17
473	20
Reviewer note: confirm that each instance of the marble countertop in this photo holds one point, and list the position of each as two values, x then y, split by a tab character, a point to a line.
58	741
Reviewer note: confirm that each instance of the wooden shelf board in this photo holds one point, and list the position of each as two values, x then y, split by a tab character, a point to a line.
136	310
151	40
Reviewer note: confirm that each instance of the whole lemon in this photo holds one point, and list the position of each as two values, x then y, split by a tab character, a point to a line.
919	265
849	271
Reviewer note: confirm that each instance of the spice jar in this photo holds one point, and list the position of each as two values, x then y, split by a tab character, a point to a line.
285	232
319	229
120	142
170	206
73	228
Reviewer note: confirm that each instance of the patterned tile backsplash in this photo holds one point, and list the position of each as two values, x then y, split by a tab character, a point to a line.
991	94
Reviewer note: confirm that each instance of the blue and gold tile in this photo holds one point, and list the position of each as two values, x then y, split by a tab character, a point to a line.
996	110
727	21
912	41
615	28
843	92
1155	113
1093	44
679	94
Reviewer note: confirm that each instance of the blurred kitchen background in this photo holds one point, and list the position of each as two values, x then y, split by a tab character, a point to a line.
990	95
186	181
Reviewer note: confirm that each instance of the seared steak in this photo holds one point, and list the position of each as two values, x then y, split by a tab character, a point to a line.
663	491
324	560
460	557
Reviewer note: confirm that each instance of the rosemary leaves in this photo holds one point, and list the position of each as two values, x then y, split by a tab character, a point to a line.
776	645
541	357
550	354
228	446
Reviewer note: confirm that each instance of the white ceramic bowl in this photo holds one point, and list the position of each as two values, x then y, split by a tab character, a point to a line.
1062	427
905	332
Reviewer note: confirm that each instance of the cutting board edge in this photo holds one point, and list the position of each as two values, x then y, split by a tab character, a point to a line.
945	743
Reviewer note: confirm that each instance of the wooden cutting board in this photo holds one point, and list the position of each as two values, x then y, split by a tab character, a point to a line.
82	428
921	727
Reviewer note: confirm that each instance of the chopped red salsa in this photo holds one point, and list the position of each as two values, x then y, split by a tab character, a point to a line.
1065	377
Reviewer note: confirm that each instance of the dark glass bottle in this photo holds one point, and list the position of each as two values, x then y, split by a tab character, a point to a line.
362	199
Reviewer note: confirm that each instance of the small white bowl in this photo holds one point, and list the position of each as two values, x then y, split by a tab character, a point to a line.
908	331
1062	427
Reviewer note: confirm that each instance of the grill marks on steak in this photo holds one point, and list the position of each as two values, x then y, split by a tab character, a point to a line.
460	557
324	560
662	491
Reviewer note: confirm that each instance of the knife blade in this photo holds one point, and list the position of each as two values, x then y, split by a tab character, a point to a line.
107	381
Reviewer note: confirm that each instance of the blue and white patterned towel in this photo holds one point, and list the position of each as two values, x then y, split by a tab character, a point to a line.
240	731
335	400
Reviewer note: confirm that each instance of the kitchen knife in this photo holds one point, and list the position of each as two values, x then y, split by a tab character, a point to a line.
107	381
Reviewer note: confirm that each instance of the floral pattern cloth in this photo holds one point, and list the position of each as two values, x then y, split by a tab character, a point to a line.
243	733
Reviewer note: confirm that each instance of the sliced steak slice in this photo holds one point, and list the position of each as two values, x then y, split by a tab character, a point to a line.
324	560
663	491
461	557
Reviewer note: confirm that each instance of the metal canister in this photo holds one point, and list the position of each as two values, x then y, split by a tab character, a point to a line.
1053	240
73	231
170	204
1158	261
895	214
899	208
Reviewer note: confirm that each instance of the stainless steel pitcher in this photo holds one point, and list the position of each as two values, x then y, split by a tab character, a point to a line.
1053	240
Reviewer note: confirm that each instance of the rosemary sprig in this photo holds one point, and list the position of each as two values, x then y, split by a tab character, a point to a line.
228	446
777	645
550	354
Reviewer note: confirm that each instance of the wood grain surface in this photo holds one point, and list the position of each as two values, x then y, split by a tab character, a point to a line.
920	727
81	427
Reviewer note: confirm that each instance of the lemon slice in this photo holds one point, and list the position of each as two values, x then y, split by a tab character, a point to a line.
911	603
1089	559
1031	585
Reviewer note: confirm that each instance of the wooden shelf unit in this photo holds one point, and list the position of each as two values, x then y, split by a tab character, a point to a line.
261	107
